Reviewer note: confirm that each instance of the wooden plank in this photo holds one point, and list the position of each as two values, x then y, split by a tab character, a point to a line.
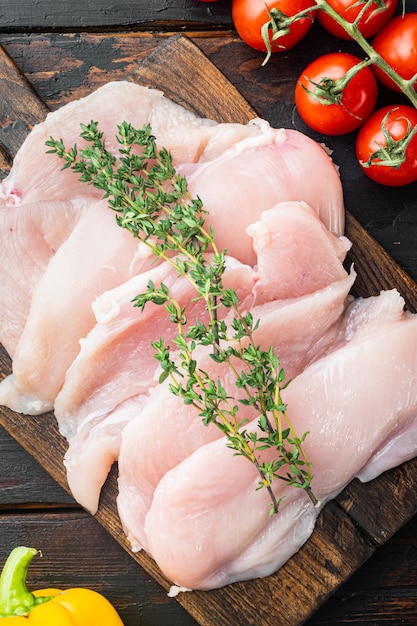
338	545
50	15
21	108
71	557
24	482
382	591
191	86
80	554
381	506
381	272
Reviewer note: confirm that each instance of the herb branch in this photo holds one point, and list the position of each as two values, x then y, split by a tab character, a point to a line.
153	202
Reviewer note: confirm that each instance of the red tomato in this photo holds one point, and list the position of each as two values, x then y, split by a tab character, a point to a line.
385	138
330	106
397	44
250	16
372	20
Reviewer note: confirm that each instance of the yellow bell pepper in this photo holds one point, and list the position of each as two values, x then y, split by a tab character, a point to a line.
54	607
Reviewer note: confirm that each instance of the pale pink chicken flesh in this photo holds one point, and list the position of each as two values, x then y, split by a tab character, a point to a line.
287	267
29	237
259	172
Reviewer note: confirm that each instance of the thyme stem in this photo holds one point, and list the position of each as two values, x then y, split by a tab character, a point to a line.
153	202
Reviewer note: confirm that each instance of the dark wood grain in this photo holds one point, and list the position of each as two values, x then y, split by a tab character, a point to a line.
21	108
22	481
341	541
199	86
65	561
136	14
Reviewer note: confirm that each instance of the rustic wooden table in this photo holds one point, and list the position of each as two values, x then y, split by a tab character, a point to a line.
65	50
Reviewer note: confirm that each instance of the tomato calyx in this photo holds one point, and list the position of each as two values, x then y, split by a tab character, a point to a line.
329	91
393	153
278	26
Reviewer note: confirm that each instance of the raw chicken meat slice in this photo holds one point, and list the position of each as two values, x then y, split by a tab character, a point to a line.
287	267
217	527
259	172
208	526
36	175
110	105
300	330
100	377
29	237
192	139
61	313
93	450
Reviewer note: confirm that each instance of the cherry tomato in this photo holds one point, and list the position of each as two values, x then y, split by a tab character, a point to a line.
332	97
386	146
251	16
372	20
397	44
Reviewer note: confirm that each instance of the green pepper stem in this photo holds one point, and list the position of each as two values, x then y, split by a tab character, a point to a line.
15	597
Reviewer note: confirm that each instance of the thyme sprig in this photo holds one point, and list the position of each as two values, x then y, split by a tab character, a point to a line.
152	201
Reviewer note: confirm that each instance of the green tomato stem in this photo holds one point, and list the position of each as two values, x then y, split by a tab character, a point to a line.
406	86
329	91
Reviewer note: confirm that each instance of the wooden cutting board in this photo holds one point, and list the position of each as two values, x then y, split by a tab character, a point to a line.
350	528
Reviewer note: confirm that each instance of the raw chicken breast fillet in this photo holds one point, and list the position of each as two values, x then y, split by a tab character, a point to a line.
287	267
259	172
109	105
30	235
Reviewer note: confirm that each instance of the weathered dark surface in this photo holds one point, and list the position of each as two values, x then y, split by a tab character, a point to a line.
65	65
44	15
